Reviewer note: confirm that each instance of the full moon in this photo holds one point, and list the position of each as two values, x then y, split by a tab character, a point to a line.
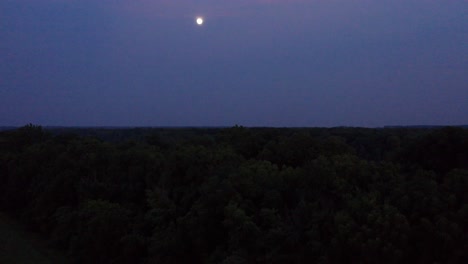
199	21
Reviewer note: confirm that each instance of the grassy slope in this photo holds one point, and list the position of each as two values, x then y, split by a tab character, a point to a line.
18	246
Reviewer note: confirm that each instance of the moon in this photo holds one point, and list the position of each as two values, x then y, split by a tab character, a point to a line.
199	21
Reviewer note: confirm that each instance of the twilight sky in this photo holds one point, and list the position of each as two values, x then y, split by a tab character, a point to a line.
253	62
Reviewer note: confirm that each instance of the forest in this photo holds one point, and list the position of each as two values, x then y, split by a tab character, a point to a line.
241	195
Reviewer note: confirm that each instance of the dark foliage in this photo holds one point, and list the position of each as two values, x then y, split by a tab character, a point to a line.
241	195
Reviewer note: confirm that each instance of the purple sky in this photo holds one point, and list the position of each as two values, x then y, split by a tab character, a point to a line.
253	62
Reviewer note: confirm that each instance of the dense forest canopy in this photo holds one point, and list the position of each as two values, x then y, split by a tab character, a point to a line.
241	195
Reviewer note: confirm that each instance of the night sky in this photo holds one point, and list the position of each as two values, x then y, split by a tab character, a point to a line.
253	62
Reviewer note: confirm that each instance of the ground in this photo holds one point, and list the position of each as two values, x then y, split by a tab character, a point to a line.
20	247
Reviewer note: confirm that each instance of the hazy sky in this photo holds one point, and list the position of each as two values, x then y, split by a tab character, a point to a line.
253	62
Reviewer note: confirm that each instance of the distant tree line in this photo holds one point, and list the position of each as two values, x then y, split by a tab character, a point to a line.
242	195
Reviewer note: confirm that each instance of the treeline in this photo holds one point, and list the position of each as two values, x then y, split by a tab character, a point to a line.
243	195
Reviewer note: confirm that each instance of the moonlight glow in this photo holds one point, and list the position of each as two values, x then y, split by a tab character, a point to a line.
199	21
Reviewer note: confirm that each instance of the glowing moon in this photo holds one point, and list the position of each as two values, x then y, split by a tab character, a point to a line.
199	21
